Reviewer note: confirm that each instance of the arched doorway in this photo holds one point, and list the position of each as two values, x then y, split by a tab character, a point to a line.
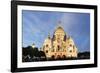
53	57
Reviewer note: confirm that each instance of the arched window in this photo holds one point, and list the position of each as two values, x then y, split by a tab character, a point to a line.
53	57
46	45
70	45
64	57
46	51
70	51
58	57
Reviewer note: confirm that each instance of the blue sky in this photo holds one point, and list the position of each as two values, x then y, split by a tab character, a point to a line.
38	24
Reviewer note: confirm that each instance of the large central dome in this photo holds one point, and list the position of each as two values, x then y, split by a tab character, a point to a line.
59	31
59	34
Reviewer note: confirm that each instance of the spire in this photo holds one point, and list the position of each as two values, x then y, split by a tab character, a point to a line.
59	26
49	35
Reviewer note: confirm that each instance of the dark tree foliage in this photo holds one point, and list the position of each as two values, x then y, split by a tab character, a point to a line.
28	51
35	52
32	54
41	53
84	55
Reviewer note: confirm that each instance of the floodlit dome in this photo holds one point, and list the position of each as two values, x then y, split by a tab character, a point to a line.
59	30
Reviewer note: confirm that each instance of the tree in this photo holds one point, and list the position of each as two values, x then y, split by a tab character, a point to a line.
35	51
42	55
32	54
27	54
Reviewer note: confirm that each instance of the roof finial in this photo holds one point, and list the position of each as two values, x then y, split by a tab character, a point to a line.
59	23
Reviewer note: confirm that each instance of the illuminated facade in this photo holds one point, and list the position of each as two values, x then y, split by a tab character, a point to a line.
60	45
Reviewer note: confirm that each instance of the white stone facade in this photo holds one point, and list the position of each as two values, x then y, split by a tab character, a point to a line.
60	45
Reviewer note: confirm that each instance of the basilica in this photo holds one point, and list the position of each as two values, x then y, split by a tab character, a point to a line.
60	45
